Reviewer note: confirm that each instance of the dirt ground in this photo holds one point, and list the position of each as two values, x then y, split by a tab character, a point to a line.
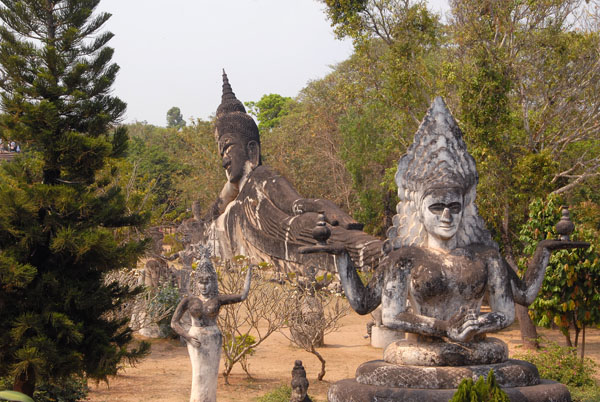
166	374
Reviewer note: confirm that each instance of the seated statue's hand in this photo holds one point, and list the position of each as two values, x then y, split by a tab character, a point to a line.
463	325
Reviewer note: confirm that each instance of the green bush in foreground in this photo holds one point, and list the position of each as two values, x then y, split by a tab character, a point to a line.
71	389
561	364
484	390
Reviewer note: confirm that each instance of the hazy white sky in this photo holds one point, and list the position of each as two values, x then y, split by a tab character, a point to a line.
171	53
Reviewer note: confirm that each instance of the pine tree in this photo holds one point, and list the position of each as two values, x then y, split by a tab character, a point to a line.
62	214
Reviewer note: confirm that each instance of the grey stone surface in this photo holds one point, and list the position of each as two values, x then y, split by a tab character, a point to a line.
440	353
382	336
511	373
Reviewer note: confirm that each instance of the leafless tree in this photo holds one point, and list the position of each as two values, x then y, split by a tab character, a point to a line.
309	329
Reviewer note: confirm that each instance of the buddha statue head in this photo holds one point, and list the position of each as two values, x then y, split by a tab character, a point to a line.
237	136
437	179
299	383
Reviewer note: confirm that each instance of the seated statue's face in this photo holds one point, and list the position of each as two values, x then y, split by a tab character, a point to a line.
234	156
441	212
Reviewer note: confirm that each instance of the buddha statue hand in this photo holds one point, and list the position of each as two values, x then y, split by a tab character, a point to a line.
334	215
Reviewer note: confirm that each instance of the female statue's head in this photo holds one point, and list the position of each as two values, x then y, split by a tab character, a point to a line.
436	181
205	277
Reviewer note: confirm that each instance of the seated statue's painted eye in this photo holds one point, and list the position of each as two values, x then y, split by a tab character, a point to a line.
455	207
437	209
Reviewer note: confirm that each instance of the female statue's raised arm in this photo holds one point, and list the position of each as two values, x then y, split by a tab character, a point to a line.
228	299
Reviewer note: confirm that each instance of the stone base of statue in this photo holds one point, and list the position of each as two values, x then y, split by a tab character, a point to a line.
382	336
431	371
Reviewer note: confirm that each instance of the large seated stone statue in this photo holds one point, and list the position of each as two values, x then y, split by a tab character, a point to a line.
440	261
259	214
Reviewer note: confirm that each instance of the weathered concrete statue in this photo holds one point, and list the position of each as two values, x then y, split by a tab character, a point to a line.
441	260
204	339
299	384
260	215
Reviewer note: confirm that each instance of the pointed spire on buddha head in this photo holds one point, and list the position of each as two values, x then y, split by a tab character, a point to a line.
233	120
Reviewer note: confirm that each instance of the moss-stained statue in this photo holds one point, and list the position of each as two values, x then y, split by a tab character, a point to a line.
439	263
259	214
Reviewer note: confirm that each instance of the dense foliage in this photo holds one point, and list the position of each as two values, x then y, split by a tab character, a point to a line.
62	212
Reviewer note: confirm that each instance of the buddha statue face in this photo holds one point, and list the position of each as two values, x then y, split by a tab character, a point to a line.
233	156
238	155
441	213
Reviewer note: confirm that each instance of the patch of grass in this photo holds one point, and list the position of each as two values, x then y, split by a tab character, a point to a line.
279	394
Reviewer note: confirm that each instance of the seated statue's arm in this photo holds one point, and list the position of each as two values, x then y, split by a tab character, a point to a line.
176	320
229	299
288	200
525	290
363	299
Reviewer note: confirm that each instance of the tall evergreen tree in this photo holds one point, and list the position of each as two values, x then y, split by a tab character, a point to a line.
62	214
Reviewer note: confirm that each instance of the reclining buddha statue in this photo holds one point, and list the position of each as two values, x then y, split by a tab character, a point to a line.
259	214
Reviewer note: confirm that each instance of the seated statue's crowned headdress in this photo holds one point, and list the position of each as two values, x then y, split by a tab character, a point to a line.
437	158
232	117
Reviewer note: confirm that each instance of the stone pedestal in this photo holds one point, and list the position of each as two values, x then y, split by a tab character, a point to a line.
432	371
350	390
382	336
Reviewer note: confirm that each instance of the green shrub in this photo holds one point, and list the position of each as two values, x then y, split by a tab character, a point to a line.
68	390
168	297
561	363
237	347
585	394
282	393
71	389
486	390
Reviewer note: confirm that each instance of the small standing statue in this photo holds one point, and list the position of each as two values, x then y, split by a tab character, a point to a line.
204	339
299	384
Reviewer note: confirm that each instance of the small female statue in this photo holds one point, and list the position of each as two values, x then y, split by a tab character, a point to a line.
204	339
439	256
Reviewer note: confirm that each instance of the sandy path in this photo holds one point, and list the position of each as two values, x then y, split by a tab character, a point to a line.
165	374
